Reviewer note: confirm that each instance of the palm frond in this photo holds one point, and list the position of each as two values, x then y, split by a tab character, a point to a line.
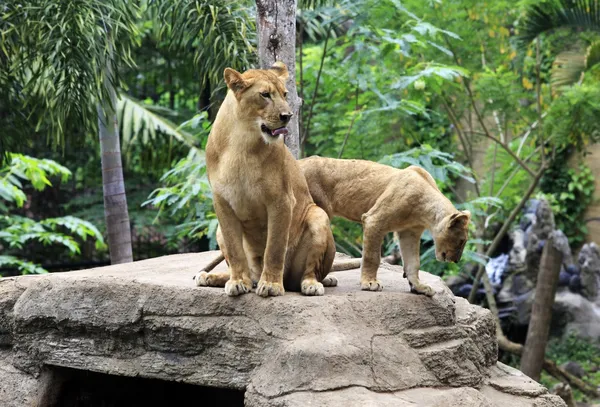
570	67
550	15
220	34
567	69
57	51
139	123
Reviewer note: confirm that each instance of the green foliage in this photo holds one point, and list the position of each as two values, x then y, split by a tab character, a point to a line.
576	349
56	53
440	165
17	231
24	168
220	34
573	117
387	87
569	194
187	197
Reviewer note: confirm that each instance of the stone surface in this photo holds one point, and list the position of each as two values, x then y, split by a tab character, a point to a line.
349	347
573	313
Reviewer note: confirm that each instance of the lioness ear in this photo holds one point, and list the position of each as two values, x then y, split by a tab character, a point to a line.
280	70
234	80
459	219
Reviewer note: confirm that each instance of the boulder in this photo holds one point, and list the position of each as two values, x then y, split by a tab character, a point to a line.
353	348
573	313
589	260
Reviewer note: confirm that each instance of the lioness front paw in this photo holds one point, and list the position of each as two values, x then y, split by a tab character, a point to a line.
265	289
422	289
330	281
310	286
237	287
371	285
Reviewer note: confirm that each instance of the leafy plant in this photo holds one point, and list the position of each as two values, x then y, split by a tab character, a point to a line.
569	193
187	197
17	231
573	348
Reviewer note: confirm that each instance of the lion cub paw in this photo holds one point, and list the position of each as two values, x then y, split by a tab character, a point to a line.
422	289
330	281
237	287
310	286
265	289
371	285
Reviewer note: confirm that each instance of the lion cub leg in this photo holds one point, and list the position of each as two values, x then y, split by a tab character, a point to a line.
410	241
373	234
315	253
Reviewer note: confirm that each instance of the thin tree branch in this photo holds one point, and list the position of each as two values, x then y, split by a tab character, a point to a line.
538	87
527	132
500	235
493	170
351	123
462	138
314	95
467	84
515	171
549	366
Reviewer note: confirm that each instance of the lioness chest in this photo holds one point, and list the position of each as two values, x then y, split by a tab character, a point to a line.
242	183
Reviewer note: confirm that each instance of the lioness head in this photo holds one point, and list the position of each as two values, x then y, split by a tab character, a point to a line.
261	97
450	236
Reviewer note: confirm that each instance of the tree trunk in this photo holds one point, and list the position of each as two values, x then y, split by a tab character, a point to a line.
534	350
276	22
113	184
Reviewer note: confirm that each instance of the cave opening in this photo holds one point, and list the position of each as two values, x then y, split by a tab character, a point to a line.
81	388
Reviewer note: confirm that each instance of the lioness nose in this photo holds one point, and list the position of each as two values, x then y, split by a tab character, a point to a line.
285	117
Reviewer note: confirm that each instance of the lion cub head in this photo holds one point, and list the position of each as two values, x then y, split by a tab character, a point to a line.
261	97
450	236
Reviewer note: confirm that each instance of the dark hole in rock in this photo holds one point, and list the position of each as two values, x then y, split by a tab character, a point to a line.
79	388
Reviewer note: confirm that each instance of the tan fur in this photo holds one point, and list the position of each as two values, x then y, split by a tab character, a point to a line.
270	230
385	199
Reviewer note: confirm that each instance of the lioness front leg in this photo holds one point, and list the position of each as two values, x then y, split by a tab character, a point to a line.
410	241
372	240
231	229
278	229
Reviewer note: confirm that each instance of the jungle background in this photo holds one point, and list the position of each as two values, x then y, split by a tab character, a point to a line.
499	101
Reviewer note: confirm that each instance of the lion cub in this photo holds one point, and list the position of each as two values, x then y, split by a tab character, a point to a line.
270	230
386	199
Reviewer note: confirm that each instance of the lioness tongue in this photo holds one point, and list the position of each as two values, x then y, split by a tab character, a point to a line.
281	130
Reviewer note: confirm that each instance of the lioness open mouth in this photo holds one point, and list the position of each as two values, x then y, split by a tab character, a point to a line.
274	132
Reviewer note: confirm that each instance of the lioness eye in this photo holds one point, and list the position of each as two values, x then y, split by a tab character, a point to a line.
284	94
266	95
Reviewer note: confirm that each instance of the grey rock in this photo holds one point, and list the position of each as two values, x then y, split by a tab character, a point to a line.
147	319
573	313
589	261
574	368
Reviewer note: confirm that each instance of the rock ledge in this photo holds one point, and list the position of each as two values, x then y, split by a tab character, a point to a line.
349	347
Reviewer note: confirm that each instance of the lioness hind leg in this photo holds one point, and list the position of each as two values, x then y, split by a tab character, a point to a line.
410	244
212	279
318	242
372	239
330	281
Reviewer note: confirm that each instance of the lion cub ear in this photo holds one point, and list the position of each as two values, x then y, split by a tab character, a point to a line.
280	70
459	219
234	80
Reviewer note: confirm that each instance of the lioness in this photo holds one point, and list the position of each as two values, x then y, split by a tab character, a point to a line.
271	231
386	199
